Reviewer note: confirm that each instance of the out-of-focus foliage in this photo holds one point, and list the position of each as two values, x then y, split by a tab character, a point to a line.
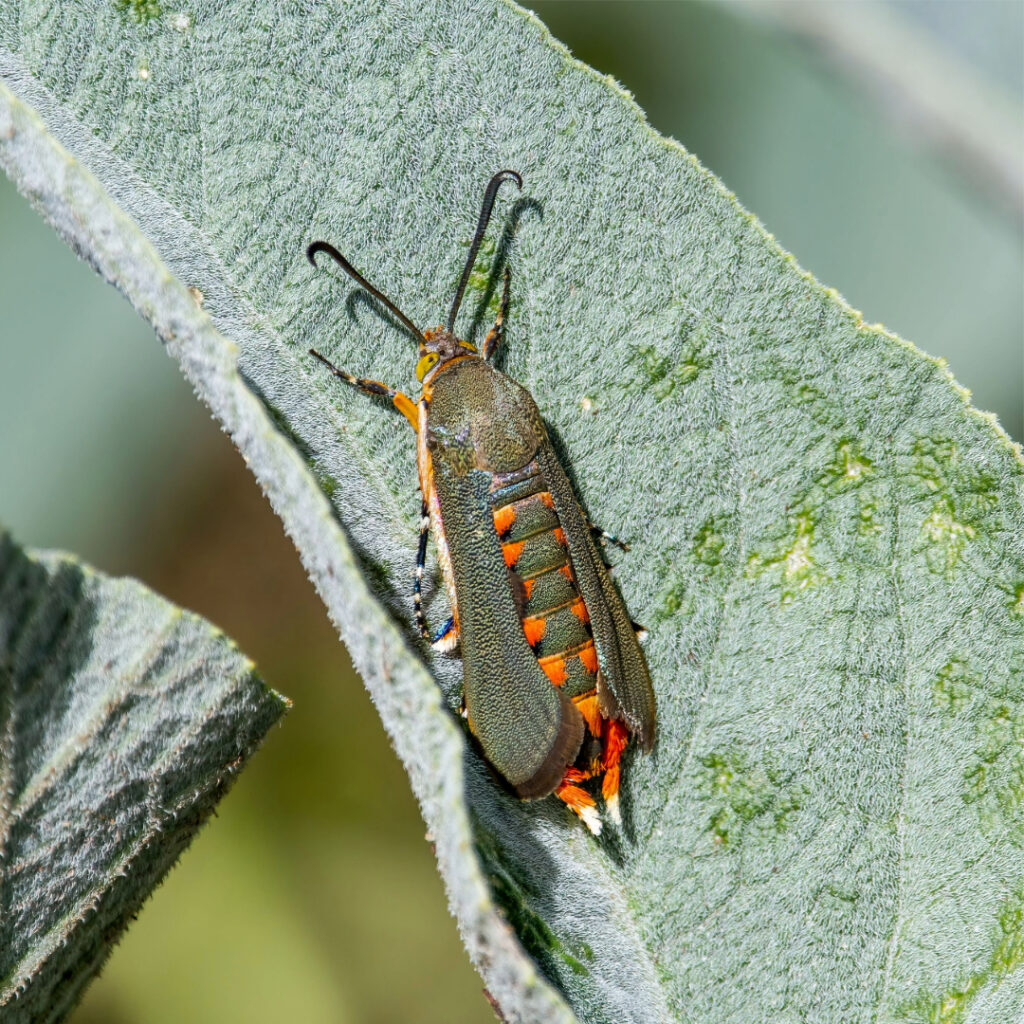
122	722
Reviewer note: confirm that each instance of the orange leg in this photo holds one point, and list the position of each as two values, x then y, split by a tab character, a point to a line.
616	736
405	405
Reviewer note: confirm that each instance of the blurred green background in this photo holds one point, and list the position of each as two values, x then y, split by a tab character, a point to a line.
313	895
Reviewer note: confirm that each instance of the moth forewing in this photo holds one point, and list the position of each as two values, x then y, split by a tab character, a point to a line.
528	730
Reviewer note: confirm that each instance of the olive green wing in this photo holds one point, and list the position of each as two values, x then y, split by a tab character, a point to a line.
528	730
624	682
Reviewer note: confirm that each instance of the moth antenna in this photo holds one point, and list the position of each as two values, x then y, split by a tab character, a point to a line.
481	226
326	247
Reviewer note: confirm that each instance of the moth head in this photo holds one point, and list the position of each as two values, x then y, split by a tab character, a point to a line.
440	346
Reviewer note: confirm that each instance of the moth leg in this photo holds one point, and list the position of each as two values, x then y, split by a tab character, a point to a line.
421	561
447	637
405	405
578	800
616	736
607	538
496	334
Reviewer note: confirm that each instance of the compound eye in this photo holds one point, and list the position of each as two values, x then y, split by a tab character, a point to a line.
467	346
426	364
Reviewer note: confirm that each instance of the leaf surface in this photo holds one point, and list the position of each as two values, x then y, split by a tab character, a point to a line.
826	540
123	720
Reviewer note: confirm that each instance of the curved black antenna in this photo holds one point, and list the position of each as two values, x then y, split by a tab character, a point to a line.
326	247
481	226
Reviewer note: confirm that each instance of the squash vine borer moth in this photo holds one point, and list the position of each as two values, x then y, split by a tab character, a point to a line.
554	680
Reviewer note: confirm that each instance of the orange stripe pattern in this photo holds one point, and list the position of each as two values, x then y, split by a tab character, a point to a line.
556	624
554	669
504	518
534	630
512	552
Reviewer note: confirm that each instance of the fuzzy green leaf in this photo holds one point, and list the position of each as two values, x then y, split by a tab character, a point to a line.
123	720
827	542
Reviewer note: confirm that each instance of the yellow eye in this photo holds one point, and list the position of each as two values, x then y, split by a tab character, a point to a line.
426	364
467	345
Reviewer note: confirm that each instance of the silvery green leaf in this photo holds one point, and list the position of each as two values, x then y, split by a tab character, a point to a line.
123	720
827	541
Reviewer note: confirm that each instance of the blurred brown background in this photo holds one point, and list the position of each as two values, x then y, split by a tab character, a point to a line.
313	896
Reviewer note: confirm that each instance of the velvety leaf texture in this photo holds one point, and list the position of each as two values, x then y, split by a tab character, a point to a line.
123	720
827	541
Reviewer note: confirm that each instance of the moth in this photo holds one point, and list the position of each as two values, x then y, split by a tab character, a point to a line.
555	682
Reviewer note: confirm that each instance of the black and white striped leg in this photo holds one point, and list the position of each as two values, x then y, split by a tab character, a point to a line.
421	561
497	333
446	638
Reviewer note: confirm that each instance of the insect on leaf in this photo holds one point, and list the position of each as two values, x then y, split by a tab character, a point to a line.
827	542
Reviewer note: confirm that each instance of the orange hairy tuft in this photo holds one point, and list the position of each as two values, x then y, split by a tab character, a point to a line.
583	804
575	797
579	609
610	784
590	708
545	497
527	588
503	519
615	739
573	775
588	656
512	552
579	800
559	535
534	630
554	668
